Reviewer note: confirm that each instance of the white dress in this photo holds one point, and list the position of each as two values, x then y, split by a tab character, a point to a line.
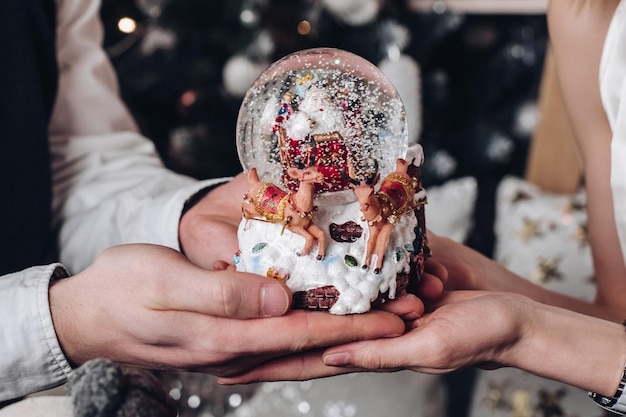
612	91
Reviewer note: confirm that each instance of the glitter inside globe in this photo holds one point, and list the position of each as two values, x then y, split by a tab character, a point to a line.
325	107
316	132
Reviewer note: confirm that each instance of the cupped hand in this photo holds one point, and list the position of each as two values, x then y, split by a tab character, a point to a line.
466	328
208	230
467	269
147	305
434	279
411	306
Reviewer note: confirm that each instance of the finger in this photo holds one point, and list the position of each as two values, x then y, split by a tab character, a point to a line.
238	345
300	367
408	306
436	269
455	296
451	297
226	294
371	355
431	235
224	201
430	286
301	330
403	352
201	247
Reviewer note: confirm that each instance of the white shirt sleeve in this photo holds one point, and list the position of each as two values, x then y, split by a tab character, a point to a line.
31	356
110	187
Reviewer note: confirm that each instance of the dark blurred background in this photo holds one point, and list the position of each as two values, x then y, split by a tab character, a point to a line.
184	66
471	79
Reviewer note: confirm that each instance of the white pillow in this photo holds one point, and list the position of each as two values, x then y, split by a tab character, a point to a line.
450	208
542	237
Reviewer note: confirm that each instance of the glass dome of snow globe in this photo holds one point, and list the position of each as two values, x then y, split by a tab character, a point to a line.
324	107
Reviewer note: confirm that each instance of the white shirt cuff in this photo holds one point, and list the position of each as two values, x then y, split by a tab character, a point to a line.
32	357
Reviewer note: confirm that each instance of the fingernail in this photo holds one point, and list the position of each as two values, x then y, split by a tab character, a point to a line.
336	359
222	381
274	300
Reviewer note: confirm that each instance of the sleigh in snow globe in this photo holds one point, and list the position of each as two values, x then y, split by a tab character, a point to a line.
335	201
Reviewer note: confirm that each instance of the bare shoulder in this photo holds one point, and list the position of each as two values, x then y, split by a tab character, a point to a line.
578	30
580	19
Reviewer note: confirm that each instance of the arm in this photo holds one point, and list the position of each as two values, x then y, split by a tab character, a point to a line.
110	187
148	306
470	270
577	32
555	343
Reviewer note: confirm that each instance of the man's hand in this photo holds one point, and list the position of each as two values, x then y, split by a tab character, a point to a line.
147	305
208	230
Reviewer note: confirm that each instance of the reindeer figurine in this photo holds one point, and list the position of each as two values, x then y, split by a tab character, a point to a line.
381	209
293	210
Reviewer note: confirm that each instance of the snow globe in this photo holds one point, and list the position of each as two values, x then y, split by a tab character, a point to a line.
335	203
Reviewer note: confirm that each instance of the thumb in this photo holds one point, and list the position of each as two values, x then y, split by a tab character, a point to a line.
230	294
